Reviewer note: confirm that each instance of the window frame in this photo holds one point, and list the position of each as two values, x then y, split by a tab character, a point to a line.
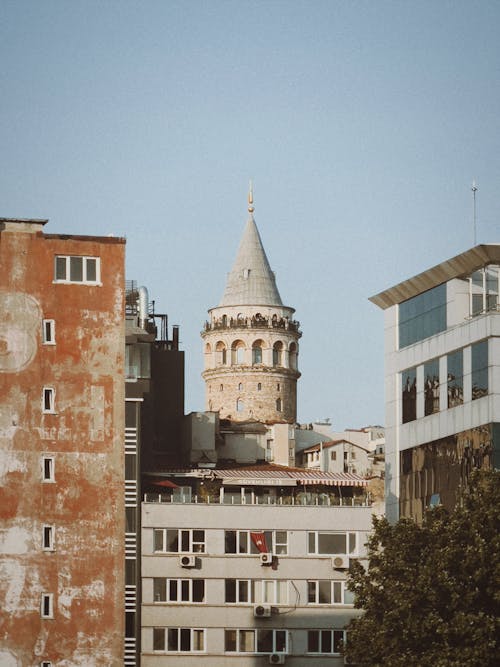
47	605
167	635
323	632
182	586
276	646
334	584
249	549
195	546
48	401
49	332
48	468
68	278
48	537
315	536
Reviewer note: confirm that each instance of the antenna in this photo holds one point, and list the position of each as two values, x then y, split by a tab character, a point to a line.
474	190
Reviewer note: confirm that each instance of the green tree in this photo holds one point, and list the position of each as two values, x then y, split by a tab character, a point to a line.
431	592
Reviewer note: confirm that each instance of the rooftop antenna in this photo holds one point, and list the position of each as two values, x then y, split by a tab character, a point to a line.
474	190
251	208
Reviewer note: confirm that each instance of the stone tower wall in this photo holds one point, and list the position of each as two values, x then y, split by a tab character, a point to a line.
243	383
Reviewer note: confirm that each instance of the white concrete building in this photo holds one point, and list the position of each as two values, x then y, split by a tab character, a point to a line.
442	379
251	570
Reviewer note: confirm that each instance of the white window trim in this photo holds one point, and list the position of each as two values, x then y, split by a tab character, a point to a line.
51	462
47	597
244	535
251	592
179	599
333	583
347	534
67	280
50	531
50	393
331	631
255	632
193	546
165	648
49	326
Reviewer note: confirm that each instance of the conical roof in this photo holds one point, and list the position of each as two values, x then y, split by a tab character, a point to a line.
251	281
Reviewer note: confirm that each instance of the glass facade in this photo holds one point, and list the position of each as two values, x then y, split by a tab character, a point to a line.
422	316
479	369
455	377
431	387
440	467
409	394
484	290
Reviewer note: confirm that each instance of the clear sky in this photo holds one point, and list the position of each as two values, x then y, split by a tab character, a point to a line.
362	125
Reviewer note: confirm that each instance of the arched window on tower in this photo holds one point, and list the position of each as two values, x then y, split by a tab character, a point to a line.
278	405
224	320
278	354
240	387
238	352
257	352
220	354
293	356
240	406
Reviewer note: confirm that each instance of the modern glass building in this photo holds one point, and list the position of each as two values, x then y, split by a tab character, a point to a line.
442	379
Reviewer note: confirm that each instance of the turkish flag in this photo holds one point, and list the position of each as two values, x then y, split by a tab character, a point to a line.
259	539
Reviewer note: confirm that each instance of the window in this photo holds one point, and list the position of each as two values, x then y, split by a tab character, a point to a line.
221	387
325	641
75	269
239	591
220	354
326	591
47	605
240	406
257	352
278	354
422	316
431	387
279	405
48	400
333	456
479	367
48	538
45	663
179	639
240	542
240	387
331	543
455	373
48	469
178	590
259	386
256	641
175	540
292	356
49	332
409	394
238	352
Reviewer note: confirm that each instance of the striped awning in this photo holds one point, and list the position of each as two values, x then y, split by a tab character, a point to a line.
273	477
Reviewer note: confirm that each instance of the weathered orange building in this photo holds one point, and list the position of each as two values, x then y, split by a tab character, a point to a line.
61	447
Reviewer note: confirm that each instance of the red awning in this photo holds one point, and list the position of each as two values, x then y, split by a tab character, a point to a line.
165	482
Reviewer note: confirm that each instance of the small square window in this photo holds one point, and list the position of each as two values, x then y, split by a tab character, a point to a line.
47	605
48	469
46	663
49	332
48	400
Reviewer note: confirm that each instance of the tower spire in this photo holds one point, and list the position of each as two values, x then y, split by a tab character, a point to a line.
251	208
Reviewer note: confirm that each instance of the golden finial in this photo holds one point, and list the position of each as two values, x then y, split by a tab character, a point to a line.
250	199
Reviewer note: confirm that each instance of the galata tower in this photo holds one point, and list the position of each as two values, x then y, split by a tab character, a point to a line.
251	341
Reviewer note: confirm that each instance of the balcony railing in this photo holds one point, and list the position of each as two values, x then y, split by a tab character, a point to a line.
253	323
299	500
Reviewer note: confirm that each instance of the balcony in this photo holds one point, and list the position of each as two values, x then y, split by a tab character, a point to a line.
255	322
302	499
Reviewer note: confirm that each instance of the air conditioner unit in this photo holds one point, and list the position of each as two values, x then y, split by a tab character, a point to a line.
262	611
277	659
340	562
266	559
187	561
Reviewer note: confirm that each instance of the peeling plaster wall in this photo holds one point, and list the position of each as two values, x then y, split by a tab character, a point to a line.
84	571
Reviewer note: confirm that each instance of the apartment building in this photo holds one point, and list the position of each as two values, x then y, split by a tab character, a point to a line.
61	447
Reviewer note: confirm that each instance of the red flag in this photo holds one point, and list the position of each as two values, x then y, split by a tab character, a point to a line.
259	539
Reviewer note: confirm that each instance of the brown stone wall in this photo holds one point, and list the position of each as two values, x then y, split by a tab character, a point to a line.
84	503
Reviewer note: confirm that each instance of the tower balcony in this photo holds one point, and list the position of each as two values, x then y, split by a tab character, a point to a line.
254	322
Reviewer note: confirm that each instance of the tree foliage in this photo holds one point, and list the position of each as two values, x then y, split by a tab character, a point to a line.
431	592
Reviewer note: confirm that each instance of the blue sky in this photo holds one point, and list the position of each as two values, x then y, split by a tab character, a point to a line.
362	125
